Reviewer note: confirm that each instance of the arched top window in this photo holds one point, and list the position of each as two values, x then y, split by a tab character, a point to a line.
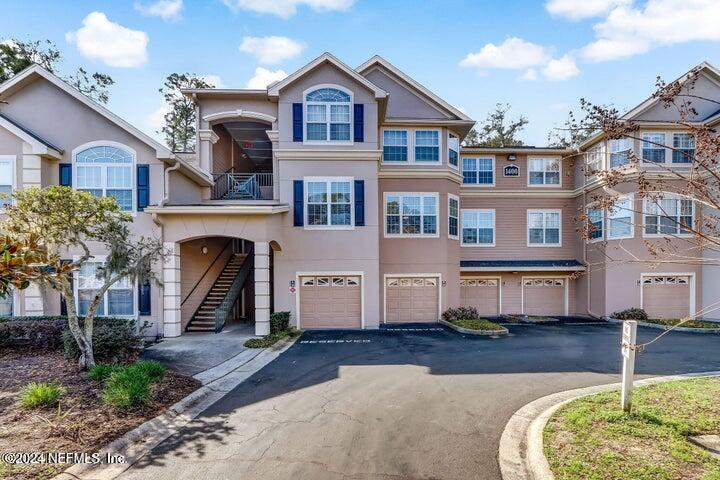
107	171
328	115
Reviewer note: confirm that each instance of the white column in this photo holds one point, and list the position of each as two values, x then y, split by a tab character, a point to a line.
33	301
262	288
208	138
172	324
274	137
31	169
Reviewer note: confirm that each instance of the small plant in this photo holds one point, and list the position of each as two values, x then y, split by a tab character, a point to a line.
279	321
631	314
452	315
269	340
477	324
151	368
103	371
131	386
36	395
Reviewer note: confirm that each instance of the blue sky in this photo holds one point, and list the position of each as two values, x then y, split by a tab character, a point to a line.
540	57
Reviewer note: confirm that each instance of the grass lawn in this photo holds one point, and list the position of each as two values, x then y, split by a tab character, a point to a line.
688	324
476	324
592	439
269	340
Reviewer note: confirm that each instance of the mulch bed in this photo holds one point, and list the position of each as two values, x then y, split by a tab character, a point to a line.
81	422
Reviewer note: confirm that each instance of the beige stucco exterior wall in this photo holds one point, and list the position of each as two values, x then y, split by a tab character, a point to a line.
402	103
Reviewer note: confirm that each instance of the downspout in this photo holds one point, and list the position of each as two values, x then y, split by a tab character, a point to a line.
585	253
166	197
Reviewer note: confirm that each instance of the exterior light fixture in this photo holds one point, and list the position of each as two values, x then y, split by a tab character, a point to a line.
511	157
204	249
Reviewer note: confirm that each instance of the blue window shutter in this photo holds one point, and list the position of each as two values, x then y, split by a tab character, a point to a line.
359	203
298	200
297	122
66	174
143	187
359	121
144	299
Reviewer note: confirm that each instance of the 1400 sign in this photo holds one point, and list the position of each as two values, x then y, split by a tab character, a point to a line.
511	171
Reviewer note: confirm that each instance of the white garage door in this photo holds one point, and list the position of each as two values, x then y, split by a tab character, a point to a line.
544	296
666	296
330	302
411	299
481	293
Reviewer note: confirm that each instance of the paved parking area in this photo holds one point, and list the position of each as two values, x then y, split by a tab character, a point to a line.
419	402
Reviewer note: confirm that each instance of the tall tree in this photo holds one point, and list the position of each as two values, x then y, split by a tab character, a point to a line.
576	129
180	120
497	130
16	55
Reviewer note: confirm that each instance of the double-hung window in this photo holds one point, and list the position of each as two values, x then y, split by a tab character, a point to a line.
596	223
453	210
328	202
543	227
478	227
620	149
118	300
453	150
107	171
427	146
544	171
328	115
653	147
668	215
683	148
594	160
620	218
395	145
479	171
7	163
411	214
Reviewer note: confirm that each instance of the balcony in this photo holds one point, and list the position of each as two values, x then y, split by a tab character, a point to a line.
242	186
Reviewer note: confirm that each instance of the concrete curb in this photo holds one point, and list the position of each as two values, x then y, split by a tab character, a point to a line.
521	455
706	331
135	444
504	330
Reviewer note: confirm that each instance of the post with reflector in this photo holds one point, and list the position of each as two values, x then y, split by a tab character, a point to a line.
629	337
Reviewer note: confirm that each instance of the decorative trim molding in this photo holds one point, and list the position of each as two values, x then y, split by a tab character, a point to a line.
314	154
421	173
273	135
239	113
208	135
467	191
219	209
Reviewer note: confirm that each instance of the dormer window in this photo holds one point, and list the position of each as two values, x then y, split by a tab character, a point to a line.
328	115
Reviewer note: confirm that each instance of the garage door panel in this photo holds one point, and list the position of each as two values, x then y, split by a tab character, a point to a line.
544	296
330	302
483	294
666	296
411	299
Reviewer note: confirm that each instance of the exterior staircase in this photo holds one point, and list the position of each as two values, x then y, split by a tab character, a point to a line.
204	318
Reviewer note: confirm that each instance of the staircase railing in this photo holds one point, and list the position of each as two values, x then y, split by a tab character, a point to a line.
207	270
226	306
243	186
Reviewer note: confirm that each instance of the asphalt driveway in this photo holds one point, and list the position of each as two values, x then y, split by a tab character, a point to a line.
408	403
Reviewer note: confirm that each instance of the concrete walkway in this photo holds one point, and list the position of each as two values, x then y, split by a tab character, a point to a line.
195	352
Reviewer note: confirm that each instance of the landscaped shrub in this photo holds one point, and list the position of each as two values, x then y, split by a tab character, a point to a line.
279	322
38	332
115	340
131	386
36	395
631	314
151	368
103	371
461	313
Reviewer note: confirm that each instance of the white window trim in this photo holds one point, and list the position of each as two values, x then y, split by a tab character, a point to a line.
668	195
305	112
478	185
545	185
327	180
668	148
609	153
602	152
672	274
440	146
411	235
13	166
410	148
459	227
622	198
527	227
76	283
601	238
109	143
459	158
480	245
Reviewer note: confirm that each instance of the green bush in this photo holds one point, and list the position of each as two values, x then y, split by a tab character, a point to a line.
103	371
115	340
477	324
631	314
279	322
131	386
452	315
40	332
36	395
150	368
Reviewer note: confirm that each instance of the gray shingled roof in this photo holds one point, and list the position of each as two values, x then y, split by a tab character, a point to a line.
32	134
520	263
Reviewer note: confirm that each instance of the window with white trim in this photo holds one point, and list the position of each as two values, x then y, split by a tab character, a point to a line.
118	300
453	214
653	147
596	223
328	202
619	149
107	171
453	150
479	171
669	215
620	218
427	146
544	171
594	160
683	148
478	227
411	214
543	227
6	179
328	115
395	145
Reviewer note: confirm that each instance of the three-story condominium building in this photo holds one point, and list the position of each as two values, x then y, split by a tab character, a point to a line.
344	196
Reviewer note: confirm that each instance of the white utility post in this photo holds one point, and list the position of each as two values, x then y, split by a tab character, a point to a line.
629	336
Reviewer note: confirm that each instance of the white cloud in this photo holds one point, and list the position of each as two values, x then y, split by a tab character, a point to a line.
271	50
109	42
581	9
156	120
513	53
287	8
168	10
264	77
629	30
530	75
214	80
561	69
559	106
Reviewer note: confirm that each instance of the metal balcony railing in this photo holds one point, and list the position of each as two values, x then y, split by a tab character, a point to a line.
242	186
